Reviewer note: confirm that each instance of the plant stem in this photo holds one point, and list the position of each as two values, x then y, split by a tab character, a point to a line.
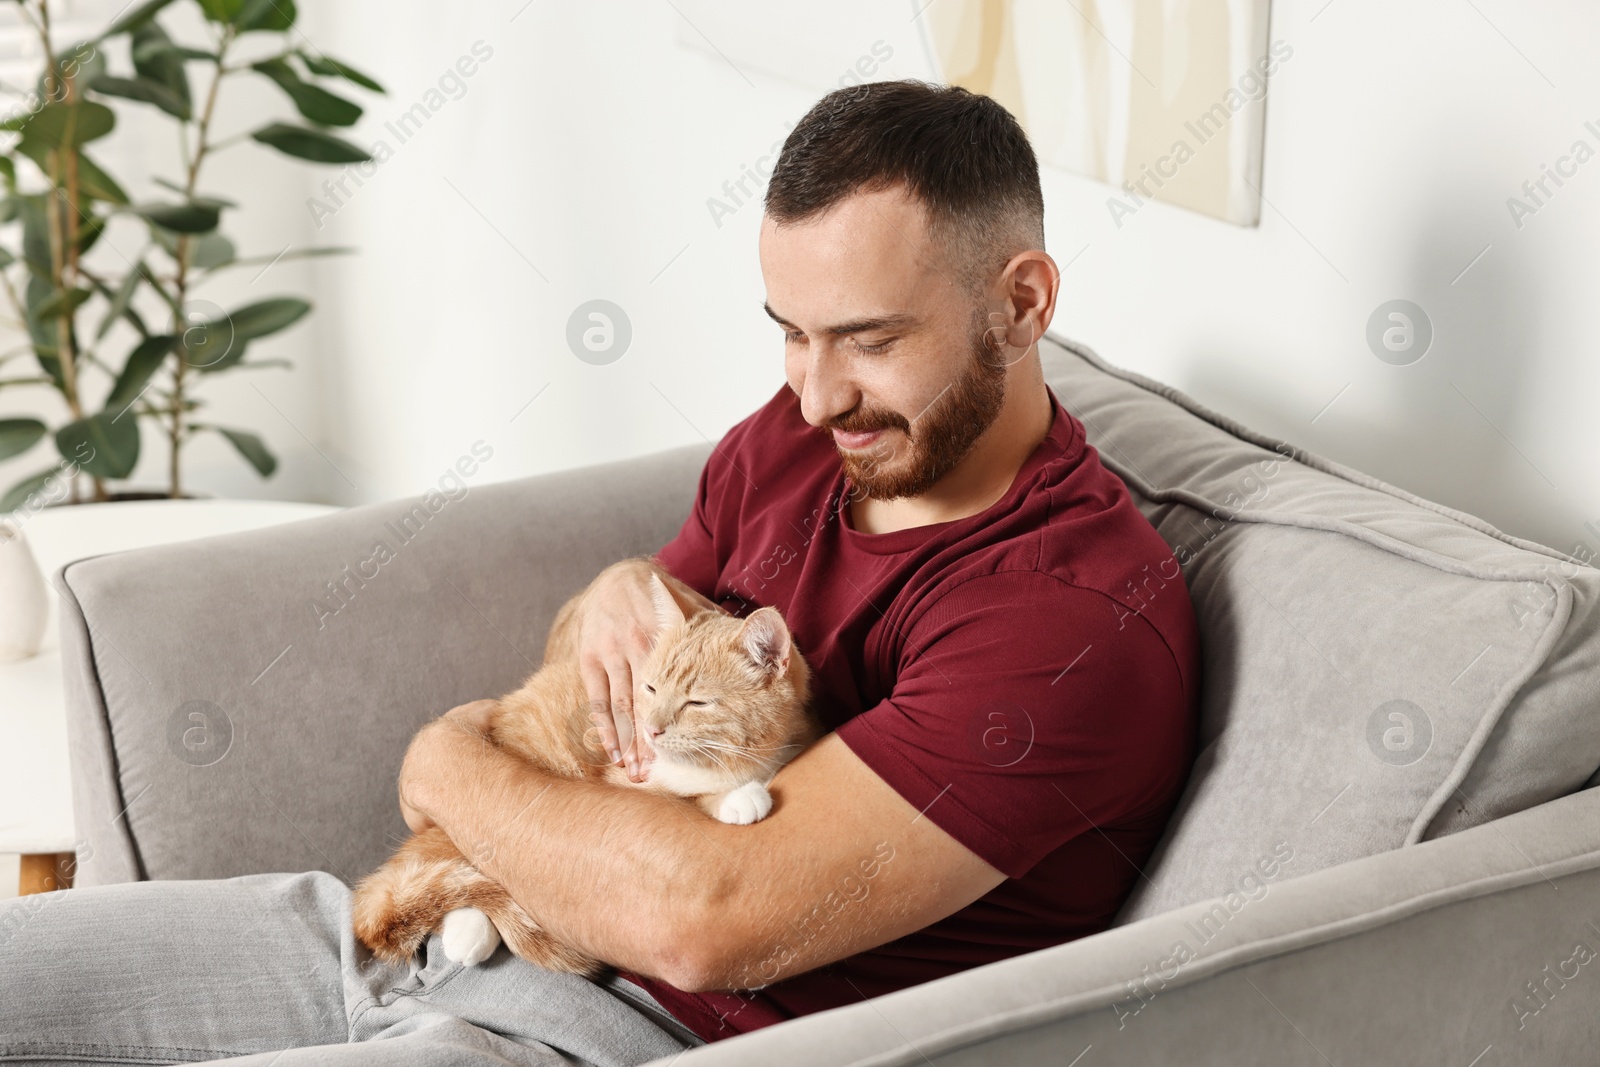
175	432
59	87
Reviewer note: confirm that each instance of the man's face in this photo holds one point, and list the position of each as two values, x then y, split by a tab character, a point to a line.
883	346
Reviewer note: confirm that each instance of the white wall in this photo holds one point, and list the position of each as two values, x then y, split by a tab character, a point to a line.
584	151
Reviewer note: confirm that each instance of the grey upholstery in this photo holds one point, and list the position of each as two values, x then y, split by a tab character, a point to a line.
1336	898
1419	956
320	703
1377	669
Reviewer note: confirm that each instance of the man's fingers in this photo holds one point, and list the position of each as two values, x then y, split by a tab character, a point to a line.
598	688
621	676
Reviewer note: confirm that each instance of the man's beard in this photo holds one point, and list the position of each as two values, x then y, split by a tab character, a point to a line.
942	436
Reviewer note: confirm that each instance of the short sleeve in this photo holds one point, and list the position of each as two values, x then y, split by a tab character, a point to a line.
1027	711
691	556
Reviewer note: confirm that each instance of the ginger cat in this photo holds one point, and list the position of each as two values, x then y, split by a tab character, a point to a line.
729	698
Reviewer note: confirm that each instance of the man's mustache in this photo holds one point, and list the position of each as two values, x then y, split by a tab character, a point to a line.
867	423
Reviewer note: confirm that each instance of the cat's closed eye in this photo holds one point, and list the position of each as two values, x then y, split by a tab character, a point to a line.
648	688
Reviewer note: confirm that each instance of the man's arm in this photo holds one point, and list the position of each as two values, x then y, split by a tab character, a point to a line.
652	885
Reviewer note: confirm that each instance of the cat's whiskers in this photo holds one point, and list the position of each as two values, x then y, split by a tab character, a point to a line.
710	748
704	749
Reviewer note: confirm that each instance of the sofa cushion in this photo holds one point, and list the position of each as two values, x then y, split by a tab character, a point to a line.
1377	669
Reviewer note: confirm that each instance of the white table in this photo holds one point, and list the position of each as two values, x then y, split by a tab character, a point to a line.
35	786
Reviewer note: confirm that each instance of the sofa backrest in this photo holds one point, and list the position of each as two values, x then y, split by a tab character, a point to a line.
1377	669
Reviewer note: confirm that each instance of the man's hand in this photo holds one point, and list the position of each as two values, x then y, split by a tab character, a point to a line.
617	626
417	777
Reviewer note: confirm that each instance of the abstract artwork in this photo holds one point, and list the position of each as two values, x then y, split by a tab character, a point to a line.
1161	99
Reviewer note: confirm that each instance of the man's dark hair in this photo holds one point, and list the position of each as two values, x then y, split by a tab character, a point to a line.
961	154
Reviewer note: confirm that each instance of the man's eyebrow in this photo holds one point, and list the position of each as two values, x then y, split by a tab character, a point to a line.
844	329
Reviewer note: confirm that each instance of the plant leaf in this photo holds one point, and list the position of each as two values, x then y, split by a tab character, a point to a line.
305	142
274	15
211	252
89	231
35	233
112	444
252	448
18	494
44	332
153	59
64	301
134	19
153	49
142	362
63	124
215	201
211	345
330	67
267	317
19	435
192	217
146	90
221	10
119	302
293	253
96	183
313	102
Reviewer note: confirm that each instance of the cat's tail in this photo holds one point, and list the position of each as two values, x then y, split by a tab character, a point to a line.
398	905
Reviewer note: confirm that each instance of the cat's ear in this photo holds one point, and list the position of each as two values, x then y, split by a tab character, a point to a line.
668	613
765	637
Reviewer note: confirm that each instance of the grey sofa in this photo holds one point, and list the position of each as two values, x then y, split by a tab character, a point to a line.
1388	851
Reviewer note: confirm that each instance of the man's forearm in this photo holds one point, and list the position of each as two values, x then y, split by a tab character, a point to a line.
572	853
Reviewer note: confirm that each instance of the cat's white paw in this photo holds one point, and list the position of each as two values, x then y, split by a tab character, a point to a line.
749	803
469	936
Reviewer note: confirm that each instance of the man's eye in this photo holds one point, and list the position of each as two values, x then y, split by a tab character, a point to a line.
872	349
793	338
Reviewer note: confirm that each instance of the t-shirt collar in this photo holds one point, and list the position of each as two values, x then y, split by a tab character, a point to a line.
1062	443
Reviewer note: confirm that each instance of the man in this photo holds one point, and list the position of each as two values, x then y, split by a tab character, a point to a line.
997	638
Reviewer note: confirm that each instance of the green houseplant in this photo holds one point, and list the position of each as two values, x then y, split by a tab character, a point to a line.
80	299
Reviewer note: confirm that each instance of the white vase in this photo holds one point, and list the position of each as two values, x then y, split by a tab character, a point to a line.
23	597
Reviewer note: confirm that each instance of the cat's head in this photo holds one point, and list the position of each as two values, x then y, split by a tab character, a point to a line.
721	694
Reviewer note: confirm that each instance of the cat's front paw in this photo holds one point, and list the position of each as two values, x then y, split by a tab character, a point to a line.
469	937
749	803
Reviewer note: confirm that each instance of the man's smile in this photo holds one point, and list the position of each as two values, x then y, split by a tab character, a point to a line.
855	441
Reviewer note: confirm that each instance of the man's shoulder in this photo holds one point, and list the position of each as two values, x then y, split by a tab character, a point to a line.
773	439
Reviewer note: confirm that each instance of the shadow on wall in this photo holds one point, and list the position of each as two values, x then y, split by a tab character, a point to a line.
1455	425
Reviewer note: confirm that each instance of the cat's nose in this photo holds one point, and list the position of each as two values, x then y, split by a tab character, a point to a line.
653	731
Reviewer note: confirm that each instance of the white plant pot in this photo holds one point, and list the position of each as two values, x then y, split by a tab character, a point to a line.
24	603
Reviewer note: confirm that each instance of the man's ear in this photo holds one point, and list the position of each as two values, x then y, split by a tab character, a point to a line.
668	613
765	637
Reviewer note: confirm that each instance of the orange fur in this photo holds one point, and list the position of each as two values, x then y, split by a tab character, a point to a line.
755	687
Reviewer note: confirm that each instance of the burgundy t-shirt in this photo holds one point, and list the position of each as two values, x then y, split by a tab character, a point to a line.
1027	677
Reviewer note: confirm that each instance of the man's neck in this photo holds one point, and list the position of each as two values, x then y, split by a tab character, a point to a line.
982	477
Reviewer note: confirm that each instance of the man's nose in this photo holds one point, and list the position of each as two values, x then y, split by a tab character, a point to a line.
827	392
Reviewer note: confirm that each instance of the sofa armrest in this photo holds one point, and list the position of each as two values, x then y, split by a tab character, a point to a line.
1432	953
241	703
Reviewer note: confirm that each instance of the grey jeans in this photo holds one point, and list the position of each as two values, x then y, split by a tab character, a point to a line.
266	967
